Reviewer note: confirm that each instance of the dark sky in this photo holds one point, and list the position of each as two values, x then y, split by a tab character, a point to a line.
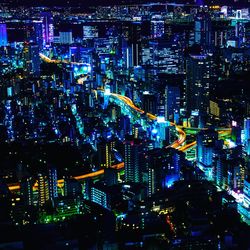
86	3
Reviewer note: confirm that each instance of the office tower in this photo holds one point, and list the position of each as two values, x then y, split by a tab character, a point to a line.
162	168
72	187
207	143
43	190
100	195
246	140
132	159
157	26
31	59
202	30
3	35
104	150
35	59
124	125
137	131
52	178
48	27
65	37
27	190
149	103
244	207
198	78
110	176
220	171
38	33
172	101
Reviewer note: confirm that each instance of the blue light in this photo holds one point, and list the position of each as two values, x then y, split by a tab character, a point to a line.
154	131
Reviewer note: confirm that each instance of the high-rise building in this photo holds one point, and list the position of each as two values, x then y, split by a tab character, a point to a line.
104	149
27	190
202	30
198	78
207	143
157	26
43	190
52	177
172	101
72	188
65	37
149	103
247	135
244	207
47	186
162	168
31	59
48	27
3	35
132	159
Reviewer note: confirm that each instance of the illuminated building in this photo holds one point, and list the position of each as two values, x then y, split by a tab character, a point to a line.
111	176
133	149
214	109
48	27
3	35
163	169
172	101
47	186
104	148
202	30
149	103
100	195
43	190
246	140
157	26
31	59
244	207
137	131
72	188
52	178
198	78
27	191
65	37
124	125
207	141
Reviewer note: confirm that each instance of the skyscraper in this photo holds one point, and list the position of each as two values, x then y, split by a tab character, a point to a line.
133	148
65	37
172	101
27	191
247	135
52	183
43	190
104	149
31	59
3	35
202	30
48	27
198	74
244	207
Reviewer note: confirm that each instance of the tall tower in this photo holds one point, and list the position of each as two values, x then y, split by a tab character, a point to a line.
3	35
247	135
202	30
26	190
43	190
48	27
198	78
104	149
133	148
52	178
31	59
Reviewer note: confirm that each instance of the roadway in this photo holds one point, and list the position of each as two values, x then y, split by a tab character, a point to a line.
176	144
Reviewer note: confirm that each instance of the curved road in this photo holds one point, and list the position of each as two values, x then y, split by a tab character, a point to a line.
176	144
